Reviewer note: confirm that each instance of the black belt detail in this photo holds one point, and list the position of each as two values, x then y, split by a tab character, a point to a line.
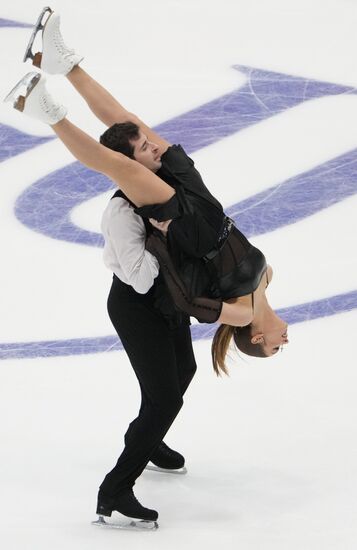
225	230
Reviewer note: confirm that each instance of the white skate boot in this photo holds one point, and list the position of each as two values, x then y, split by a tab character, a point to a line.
36	101
56	57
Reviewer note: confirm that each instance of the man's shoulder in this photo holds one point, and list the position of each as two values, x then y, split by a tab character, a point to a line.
118	203
117	206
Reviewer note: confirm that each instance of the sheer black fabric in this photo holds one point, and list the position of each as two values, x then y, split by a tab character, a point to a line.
204	309
237	267
210	256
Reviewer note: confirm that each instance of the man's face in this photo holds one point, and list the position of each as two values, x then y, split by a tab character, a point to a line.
146	152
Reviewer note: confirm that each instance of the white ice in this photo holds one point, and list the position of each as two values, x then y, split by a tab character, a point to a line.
272	450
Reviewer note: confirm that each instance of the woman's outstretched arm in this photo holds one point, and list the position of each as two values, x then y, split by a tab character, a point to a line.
107	108
139	184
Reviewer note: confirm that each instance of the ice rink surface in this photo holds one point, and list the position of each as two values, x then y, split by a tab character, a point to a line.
263	96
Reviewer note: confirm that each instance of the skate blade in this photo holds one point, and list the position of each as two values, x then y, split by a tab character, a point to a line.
39	25
130	525
28	82
179	471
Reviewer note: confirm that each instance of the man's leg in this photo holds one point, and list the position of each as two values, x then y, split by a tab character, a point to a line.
163	456
147	341
185	358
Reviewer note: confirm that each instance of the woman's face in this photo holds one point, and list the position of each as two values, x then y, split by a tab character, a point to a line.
274	336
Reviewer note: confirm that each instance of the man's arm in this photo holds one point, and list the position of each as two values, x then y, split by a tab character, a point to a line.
107	108
124	252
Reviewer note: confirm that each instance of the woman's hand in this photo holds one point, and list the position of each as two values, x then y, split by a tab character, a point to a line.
161	226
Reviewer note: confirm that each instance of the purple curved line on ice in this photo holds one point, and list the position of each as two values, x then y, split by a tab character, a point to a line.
14	142
46	205
80	346
264	95
14	24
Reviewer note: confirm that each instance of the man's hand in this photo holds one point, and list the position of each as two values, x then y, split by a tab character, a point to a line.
161	226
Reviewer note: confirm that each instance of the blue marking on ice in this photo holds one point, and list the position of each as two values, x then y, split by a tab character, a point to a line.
298	313
264	95
10	23
46	205
298	197
280	205
80	346
13	142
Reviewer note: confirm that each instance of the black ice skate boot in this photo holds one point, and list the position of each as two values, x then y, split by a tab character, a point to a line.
126	504
166	460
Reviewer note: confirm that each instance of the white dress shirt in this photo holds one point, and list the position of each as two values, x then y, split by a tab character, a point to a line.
124	249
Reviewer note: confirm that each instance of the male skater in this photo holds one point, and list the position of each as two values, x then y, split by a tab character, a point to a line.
155	336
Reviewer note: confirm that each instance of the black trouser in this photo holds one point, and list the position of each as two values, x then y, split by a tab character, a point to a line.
164	364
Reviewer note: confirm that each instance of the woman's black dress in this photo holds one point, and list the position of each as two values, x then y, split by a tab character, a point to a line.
210	256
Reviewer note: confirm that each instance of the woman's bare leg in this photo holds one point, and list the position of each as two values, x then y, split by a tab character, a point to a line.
139	184
106	108
99	100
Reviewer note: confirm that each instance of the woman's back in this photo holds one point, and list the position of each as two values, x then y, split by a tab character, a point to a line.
211	255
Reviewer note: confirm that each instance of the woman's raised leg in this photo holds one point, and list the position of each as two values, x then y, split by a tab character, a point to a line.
108	109
138	183
57	58
103	105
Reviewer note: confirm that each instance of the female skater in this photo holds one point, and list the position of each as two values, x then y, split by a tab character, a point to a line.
210	268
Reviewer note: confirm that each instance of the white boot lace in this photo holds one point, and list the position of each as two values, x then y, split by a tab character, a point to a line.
60	45
48	106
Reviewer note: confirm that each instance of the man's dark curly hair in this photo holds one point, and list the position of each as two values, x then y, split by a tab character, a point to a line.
118	137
